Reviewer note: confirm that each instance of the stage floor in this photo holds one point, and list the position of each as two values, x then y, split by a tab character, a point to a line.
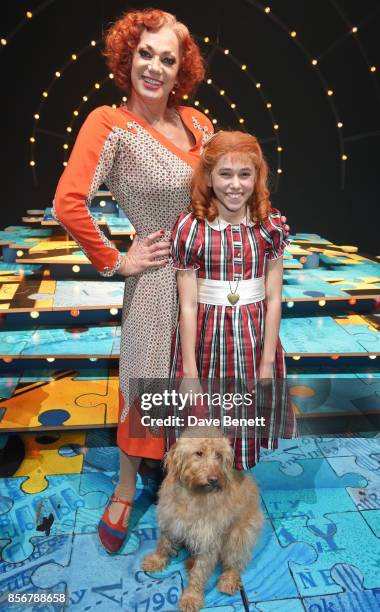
319	549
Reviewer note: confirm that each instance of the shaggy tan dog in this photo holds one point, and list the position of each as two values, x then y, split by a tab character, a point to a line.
208	507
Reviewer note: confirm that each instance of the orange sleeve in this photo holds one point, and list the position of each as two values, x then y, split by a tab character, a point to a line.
90	162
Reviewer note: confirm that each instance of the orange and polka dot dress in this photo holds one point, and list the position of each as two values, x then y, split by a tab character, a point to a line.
149	176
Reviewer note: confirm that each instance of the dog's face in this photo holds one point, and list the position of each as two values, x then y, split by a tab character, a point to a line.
202	464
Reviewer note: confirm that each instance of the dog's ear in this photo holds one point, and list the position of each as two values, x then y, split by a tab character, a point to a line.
228	457
172	462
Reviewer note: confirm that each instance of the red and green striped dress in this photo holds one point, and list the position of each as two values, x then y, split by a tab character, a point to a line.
230	339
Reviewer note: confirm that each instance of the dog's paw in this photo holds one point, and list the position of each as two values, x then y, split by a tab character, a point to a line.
153	563
190	601
229	582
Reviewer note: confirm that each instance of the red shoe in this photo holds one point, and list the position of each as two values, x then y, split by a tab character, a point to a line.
112	535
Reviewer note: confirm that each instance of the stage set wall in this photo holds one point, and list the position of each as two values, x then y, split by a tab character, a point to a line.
317	190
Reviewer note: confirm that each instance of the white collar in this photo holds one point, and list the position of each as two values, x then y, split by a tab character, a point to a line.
220	224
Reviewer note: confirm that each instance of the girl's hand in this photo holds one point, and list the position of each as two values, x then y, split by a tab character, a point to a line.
145	253
285	226
266	372
189	387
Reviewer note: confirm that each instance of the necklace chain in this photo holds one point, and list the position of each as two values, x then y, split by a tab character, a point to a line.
233	297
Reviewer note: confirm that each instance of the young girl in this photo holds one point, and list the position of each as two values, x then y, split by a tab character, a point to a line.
228	255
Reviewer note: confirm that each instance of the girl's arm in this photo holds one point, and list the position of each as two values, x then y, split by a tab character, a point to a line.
273	292
188	304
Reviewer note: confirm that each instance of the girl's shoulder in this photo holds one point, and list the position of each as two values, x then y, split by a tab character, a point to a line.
187	218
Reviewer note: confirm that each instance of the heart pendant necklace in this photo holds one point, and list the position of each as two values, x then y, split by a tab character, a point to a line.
233	297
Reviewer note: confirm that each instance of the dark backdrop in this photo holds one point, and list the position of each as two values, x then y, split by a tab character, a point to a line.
317	190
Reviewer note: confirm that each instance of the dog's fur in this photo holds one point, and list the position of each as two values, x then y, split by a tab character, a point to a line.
208	507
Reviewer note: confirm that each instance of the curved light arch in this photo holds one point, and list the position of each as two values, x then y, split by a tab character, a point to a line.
313	61
29	15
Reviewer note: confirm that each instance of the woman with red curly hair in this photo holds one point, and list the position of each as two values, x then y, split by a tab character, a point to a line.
145	152
228	255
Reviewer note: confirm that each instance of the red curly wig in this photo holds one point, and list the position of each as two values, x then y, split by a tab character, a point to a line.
123	37
238	145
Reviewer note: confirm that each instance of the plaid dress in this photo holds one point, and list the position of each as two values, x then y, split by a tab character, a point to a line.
230	339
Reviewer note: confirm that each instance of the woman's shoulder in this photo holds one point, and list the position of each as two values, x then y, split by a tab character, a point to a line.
105	116
198	119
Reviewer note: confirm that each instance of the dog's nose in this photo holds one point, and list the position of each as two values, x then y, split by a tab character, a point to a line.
212	480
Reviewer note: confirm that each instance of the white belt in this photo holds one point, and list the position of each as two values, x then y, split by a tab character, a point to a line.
215	292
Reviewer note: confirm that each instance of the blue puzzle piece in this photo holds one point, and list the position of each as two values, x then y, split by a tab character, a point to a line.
317	335
300	284
53	418
362	449
319	395
7	385
354	598
18	524
313	503
372	518
315	473
20	269
13	342
88	341
279	605
85	293
367	337
120	585
289	452
16	577
339	538
365	497
269	574
309	238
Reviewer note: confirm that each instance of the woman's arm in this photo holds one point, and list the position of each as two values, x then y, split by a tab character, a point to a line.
188	304
88	167
273	292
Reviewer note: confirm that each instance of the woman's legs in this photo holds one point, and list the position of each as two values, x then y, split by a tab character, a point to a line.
126	487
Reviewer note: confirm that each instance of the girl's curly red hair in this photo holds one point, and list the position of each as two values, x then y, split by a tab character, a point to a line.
123	37
238	145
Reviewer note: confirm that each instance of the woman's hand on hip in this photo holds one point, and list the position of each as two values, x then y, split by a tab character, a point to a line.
145	253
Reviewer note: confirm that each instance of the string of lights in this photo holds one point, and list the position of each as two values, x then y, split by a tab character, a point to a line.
29	15
353	31
98	85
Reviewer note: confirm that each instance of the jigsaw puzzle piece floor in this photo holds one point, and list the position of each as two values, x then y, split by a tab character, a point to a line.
316	529
317	336
333	395
16	577
58	342
44	457
121	585
337	538
65	399
354	598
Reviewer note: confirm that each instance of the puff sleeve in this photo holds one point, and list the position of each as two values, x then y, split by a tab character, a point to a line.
88	167
186	244
272	232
